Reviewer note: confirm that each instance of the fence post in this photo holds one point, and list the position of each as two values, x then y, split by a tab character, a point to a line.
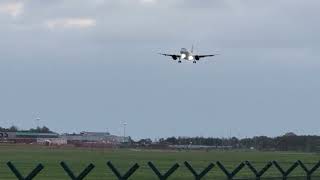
202	174
167	174
126	176
309	172
255	171
233	173
283	172
82	175
30	176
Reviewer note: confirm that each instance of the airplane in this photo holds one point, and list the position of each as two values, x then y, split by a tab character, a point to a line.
187	55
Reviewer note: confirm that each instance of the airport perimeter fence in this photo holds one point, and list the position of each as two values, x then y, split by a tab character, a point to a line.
229	173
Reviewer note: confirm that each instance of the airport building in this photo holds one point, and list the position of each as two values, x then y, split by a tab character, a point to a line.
52	141
97	137
25	137
103	139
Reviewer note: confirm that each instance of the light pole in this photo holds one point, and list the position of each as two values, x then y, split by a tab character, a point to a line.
124	131
38	122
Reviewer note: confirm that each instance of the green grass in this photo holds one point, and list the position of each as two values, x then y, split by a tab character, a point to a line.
27	157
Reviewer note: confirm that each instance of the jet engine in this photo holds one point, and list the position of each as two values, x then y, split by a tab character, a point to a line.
197	58
174	57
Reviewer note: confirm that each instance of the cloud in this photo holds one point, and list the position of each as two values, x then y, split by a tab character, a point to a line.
71	23
148	1
13	9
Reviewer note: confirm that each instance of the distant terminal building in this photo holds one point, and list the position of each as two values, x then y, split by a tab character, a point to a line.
198	147
94	137
52	141
84	139
36	135
25	137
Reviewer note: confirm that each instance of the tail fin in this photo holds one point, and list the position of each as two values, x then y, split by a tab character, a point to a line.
192	49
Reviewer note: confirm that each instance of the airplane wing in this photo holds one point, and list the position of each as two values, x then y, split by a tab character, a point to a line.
203	56
174	56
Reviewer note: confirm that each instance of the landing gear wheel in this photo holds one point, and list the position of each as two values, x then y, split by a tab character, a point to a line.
194	62
179	61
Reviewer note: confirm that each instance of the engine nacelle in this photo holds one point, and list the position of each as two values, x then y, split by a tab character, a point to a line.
174	57
197	58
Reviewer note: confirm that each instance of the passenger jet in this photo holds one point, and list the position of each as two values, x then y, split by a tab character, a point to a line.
187	55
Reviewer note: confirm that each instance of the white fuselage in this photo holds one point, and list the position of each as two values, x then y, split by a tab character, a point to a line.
186	55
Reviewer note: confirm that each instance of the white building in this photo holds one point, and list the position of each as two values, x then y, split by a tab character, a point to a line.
100	137
52	141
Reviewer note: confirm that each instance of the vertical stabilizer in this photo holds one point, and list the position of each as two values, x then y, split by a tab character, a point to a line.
192	49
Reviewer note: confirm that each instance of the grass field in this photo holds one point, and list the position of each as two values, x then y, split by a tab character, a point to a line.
27	157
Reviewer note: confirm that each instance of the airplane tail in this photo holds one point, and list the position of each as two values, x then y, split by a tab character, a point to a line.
192	49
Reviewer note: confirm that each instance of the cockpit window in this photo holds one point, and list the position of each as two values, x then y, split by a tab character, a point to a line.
184	51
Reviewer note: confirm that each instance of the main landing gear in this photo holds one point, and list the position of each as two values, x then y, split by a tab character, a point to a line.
179	61
194	62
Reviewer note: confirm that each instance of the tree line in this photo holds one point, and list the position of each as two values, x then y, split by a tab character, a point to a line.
38	129
290	142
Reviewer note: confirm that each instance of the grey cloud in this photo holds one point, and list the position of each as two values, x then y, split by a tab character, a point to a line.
230	23
126	23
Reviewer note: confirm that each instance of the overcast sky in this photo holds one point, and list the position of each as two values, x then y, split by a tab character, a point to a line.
88	65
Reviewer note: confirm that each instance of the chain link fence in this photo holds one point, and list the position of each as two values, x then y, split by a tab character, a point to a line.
217	170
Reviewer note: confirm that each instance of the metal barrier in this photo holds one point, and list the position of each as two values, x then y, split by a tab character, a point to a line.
82	175
126	176
230	175
31	175
202	174
167	174
261	172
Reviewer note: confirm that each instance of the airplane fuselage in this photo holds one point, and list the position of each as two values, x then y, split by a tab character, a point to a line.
186	55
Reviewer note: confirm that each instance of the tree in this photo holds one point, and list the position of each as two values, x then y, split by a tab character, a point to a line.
43	129
13	129
145	141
